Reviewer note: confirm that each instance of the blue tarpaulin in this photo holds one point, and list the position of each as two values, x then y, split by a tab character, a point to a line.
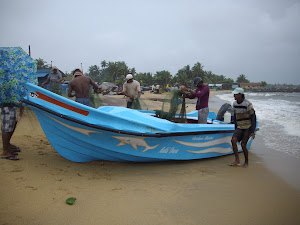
41	74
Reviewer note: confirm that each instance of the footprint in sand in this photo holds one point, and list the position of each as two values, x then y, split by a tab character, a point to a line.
41	153
43	164
16	170
45	142
31	187
116	189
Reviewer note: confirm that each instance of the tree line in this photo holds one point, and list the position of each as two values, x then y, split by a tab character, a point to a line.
116	72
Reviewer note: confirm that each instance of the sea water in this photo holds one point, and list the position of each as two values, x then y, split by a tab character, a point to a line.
278	114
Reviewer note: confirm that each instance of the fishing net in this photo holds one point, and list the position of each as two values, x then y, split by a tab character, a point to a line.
95	99
173	108
139	104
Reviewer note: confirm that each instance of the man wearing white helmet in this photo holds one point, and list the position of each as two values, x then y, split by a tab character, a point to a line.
131	89
245	124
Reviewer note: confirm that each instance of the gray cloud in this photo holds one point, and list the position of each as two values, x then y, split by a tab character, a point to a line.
257	38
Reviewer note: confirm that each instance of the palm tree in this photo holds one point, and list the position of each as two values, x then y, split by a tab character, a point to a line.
209	76
181	78
103	64
242	79
264	83
189	74
115	70
42	63
163	77
132	71
94	72
198	70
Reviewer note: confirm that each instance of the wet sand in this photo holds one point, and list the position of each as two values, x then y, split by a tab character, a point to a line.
33	190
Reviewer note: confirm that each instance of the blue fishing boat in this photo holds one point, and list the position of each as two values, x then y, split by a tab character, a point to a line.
82	134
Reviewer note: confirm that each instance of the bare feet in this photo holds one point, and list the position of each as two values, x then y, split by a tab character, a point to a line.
245	165
235	163
14	148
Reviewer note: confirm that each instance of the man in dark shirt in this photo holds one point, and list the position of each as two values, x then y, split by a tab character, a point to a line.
81	85
202	93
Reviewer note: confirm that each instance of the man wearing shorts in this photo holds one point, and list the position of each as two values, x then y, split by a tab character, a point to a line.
245	124
8	125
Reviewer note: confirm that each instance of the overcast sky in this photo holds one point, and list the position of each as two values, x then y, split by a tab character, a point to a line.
258	38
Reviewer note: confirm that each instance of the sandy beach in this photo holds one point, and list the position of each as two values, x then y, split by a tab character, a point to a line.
34	189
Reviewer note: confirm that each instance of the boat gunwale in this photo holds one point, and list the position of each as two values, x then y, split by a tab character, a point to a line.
157	135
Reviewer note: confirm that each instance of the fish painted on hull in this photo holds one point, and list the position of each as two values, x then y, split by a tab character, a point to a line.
206	143
211	146
210	150
134	142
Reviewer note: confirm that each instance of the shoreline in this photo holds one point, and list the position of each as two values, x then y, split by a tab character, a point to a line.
208	191
282	164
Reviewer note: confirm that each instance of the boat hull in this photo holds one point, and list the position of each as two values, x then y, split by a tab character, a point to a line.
80	141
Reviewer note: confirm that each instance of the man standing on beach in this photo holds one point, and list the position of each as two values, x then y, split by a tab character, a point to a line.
55	79
16	69
8	126
81	85
157	88
131	89
245	124
202	93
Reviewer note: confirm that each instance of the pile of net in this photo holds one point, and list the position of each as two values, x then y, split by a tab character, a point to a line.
139	104
173	108
94	98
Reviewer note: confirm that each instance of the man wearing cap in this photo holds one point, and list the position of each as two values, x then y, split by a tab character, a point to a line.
55	79
202	93
131	89
245	124
81	85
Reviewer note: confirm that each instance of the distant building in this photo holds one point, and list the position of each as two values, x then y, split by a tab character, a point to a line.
42	75
107	87
251	85
234	86
215	86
